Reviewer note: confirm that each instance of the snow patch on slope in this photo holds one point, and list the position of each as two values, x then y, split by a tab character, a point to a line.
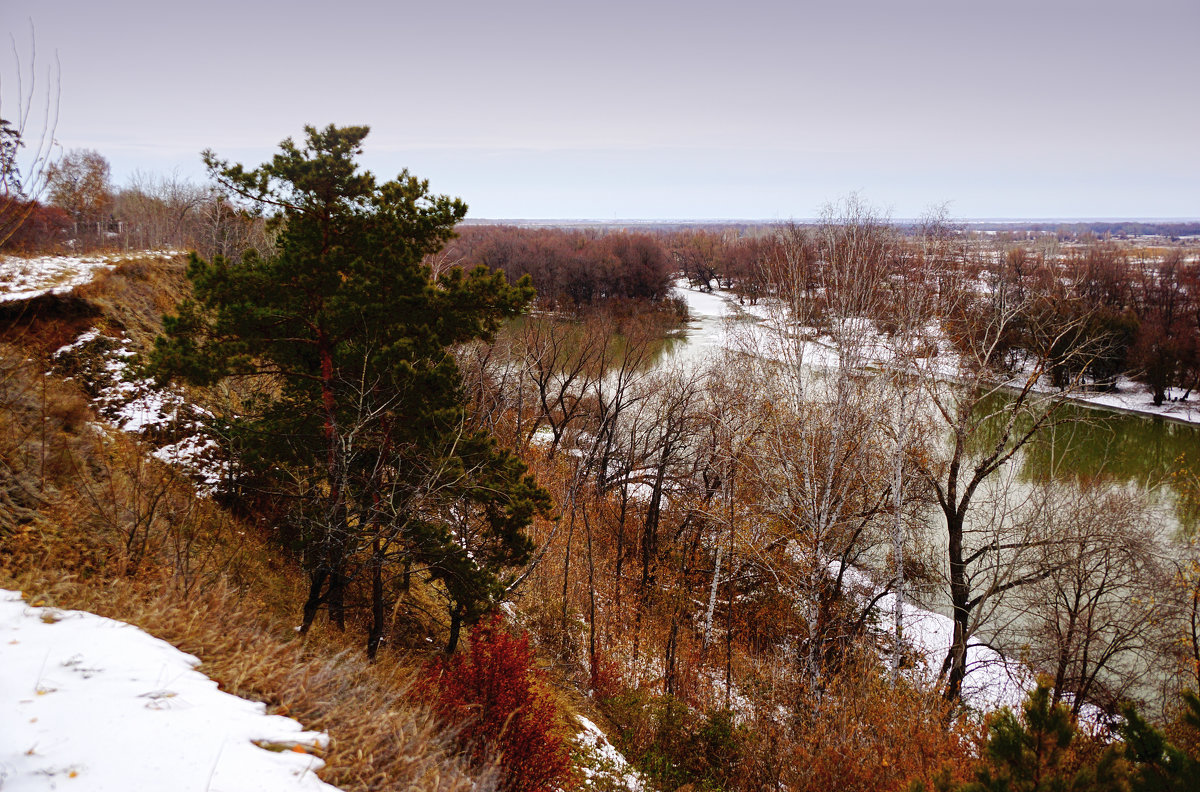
100	705
26	278
604	765
993	680
105	365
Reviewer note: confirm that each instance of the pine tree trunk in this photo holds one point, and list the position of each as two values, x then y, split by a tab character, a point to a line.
456	619
337	530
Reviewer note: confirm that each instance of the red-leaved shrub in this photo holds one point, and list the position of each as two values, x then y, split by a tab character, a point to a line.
498	696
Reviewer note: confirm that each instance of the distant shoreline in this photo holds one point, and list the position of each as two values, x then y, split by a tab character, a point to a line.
1157	226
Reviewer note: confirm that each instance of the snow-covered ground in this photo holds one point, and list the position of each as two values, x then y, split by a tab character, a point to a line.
26	278
993	681
140	406
715	313
100	704
607	766
1133	397
94	704
708	328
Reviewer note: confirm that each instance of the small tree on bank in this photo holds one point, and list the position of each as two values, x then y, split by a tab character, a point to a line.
359	409
80	184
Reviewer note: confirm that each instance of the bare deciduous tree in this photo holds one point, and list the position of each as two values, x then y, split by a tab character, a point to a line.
28	119
990	409
160	211
818	470
1093	622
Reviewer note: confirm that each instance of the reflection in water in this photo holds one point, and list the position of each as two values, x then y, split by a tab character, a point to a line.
1084	443
1089	444
575	339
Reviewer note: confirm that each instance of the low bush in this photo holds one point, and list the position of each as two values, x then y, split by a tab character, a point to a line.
676	746
496	693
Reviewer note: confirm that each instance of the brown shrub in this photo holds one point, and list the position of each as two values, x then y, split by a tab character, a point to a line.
861	733
500	699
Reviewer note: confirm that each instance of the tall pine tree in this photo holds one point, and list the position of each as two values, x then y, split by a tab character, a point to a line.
360	412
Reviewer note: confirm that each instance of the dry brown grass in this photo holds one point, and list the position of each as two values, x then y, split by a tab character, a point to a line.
380	739
87	521
133	296
235	618
130	298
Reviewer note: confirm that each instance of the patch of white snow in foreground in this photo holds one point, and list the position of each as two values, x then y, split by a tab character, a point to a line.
607	765
94	704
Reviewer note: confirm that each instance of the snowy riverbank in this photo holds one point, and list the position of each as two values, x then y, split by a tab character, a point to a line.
716	314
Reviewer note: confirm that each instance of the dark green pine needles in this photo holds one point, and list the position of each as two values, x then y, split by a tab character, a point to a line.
353	411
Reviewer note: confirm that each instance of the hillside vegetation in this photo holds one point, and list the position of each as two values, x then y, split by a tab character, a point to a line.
399	497
91	521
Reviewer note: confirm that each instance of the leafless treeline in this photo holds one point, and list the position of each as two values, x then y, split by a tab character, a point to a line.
1140	301
718	522
80	209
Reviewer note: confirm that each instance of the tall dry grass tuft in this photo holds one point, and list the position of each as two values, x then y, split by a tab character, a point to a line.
133	296
380	739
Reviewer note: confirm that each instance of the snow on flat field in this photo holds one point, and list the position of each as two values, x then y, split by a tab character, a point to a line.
26	278
94	704
710	329
705	305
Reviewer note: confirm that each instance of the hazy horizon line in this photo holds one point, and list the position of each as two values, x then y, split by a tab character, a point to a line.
806	220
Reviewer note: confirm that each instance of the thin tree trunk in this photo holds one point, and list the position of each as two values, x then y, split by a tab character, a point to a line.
315	599
377	610
898	539
337	598
729	646
587	526
564	632
620	551
960	603
650	534
712	598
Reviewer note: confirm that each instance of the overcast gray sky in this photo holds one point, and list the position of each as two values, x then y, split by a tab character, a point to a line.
653	109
